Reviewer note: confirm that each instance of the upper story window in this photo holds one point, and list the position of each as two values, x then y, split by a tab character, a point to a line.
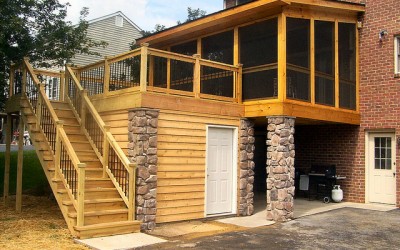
259	56
397	54
119	21
298	59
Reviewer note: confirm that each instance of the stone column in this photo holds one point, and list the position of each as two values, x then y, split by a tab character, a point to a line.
280	168
142	150
246	175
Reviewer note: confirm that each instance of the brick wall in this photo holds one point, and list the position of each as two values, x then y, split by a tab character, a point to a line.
379	89
333	144
344	145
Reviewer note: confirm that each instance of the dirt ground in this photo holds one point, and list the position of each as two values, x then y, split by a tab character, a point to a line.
39	226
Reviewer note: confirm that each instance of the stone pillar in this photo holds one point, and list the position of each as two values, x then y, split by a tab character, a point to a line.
280	168
246	175
142	150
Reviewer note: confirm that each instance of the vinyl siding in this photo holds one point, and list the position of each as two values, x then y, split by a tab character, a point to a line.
118	39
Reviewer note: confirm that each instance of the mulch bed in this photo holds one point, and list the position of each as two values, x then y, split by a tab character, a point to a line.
39	226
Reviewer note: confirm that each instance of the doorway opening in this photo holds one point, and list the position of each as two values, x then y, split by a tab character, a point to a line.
260	170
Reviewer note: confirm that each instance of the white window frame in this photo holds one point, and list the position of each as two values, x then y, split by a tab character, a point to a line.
119	21
397	54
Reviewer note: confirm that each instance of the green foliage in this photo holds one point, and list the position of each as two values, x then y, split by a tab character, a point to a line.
192	14
37	29
34	180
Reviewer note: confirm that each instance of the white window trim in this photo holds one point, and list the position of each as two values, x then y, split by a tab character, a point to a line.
397	54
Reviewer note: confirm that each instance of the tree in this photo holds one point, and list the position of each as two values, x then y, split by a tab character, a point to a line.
38	29
192	14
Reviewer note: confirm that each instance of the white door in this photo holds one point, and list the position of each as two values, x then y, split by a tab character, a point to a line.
382	168
219	171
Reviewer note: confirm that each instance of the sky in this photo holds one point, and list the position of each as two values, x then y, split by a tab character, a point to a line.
144	13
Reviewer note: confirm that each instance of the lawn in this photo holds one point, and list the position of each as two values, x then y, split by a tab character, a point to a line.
33	178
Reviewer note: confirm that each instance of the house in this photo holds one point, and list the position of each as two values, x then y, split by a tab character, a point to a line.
107	28
220	111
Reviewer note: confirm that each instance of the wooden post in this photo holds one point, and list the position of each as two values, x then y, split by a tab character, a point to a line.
196	77
59	126
107	77
62	85
24	80
82	112
18	203
106	148
67	80
282	57
239	83
168	74
6	189
337	95
312	61
12	79
80	220
132	193
143	66
39	105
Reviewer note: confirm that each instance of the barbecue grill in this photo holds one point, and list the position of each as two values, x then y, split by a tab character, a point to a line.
322	179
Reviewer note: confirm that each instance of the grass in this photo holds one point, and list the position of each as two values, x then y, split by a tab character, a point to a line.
33	178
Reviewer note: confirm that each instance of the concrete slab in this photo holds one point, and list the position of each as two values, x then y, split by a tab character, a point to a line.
258	219
183	228
304	207
121	242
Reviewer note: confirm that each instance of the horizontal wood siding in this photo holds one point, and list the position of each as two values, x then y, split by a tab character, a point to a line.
182	162
118	121
118	39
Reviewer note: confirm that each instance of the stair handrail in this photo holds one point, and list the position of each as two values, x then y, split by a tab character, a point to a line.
103	141
75	188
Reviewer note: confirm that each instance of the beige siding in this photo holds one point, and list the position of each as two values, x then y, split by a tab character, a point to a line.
118	121
181	163
118	39
181	159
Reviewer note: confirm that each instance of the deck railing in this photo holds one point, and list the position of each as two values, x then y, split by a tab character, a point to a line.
67	165
147	69
115	163
52	81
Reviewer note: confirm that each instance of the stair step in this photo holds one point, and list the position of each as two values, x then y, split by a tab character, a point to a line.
100	212
97	201
105	229
103	216
60	105
98	204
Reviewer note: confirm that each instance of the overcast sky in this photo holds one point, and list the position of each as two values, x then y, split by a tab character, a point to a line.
145	13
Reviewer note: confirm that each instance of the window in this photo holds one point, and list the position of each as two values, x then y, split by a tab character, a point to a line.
259	56
324	63
217	48
397	54
298	59
119	21
347	65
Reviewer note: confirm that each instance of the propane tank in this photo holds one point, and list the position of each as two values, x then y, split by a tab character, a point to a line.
337	194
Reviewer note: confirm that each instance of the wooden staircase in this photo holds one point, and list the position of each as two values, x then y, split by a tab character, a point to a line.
95	194
105	211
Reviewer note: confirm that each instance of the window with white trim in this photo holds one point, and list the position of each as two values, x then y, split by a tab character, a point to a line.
119	21
397	54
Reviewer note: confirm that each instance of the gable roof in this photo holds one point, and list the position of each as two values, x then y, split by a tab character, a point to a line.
118	13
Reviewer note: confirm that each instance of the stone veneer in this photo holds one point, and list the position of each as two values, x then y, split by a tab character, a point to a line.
142	150
280	168
246	147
